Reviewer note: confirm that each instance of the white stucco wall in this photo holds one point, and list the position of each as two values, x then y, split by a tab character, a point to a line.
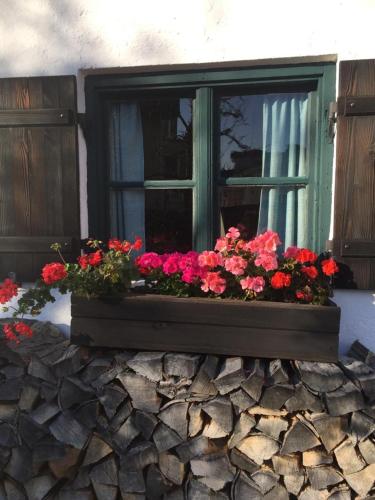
55	37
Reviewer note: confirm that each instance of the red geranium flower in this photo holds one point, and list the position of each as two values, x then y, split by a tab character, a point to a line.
8	289
310	271
119	246
138	243
95	258
23	329
329	267
51	273
306	255
281	280
9	332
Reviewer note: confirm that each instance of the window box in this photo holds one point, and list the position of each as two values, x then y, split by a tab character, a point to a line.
218	326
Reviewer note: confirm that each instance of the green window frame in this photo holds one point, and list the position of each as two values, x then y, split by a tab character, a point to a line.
102	89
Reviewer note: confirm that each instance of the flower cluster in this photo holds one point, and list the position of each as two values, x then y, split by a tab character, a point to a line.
106	270
237	268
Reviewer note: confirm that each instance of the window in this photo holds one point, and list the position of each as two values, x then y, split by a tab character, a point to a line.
177	158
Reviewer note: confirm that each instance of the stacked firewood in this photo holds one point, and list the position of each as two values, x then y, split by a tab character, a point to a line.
82	423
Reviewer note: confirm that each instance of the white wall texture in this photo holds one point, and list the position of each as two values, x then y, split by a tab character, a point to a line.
56	37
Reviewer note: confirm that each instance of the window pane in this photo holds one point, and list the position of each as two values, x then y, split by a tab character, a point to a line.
256	209
151	139
169	217
161	217
264	135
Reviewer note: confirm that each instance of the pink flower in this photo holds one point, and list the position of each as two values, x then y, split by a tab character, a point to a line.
171	265
253	283
221	244
235	265
233	233
291	252
213	282
210	259
267	260
149	260
265	242
188	259
192	274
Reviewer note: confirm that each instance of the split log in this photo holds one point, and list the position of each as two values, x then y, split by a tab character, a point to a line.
8	436
348	458
277	493
230	376
175	416
272	426
48	449
95	368
44	412
317	456
344	400
165	438
68	363
13	491
122	413
360	374
181	365
265	479
175	494
87	414
310	494
220	411
28	397
107	376
286	465
195	447
303	399
39	370
172	468
321	377
361	426
360	352
259	410
126	433
139	457
156	483
294	482
148	364
202	384
18	466
199	491
298	438
68	430
275	396
362	482
131	481
331	430
245	487
277	373
145	423
61	467
216	470
242	428
323	476
258	447
243	462
104	491
340	493
105	472
111	396
48	391
254	383
30	431
195	420
367	449
10	390
96	450
72	392
241	401
142	392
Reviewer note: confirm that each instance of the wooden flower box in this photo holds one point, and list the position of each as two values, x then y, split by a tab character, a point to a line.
217	326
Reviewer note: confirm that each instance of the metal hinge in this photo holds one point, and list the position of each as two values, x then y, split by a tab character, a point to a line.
332	119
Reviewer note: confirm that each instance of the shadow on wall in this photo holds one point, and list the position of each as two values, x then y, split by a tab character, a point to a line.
53	38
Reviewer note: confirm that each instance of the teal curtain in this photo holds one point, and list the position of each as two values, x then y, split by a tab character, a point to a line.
284	209
127	207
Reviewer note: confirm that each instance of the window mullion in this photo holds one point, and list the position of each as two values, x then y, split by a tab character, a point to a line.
203	124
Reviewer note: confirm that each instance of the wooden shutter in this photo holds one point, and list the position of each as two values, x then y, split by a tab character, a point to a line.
39	190
354	222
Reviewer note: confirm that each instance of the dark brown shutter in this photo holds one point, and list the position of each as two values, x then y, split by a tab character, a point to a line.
354	223
39	190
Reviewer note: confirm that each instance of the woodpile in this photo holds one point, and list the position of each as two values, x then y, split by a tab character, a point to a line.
80	424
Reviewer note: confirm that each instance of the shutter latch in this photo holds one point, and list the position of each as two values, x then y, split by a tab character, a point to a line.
332	118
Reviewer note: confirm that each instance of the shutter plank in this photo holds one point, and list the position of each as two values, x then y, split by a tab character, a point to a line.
354	218
39	191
